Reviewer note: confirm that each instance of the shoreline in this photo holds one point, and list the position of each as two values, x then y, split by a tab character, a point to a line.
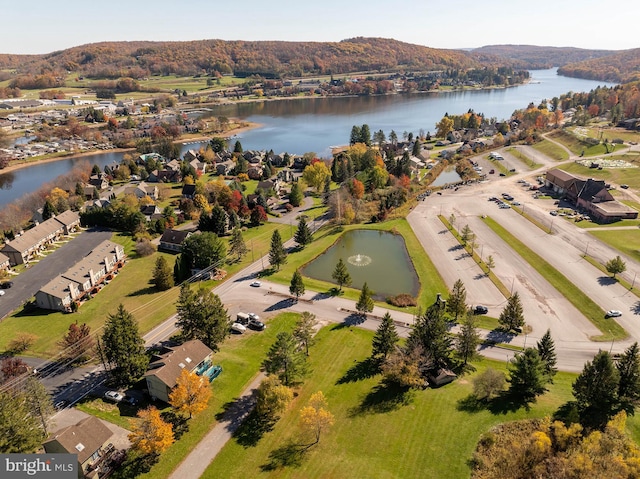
87	154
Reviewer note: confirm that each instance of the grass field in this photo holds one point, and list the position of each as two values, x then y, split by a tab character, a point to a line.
630	176
571	292
377	433
608	134
240	358
577	145
625	241
552	150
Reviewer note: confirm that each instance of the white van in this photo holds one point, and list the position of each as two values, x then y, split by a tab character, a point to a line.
238	328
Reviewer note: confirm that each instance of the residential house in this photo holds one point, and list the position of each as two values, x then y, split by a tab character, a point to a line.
269	185
199	166
141	190
174	165
254	172
189	191
99	181
190	155
89	439
171	240
165	176
164	369
151	212
83	278
24	247
225	167
4	262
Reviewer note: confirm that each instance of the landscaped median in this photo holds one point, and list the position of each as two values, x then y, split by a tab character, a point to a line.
610	329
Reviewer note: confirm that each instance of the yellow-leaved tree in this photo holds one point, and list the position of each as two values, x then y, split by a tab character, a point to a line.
191	393
316	417
152	435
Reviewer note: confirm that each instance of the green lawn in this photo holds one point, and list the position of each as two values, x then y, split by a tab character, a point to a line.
552	150
582	302
630	176
577	145
608	134
240	358
625	241
377	434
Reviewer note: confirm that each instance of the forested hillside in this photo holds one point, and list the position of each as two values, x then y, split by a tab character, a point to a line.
534	57
620	67
269	59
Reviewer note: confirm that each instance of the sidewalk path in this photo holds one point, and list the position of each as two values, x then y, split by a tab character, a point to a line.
208	448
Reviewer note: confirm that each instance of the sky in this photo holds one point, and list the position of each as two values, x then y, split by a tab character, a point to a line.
49	25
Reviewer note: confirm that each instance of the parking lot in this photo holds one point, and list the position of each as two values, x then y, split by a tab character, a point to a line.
29	281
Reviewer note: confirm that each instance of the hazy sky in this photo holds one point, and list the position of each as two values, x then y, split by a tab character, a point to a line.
50	25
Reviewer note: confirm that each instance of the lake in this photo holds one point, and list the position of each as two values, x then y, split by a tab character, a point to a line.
316	124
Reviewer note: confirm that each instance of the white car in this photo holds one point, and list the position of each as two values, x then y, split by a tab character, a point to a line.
256	284
613	313
238	328
114	396
1	293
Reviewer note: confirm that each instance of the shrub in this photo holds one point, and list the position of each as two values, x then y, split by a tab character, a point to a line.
145	248
402	300
21	343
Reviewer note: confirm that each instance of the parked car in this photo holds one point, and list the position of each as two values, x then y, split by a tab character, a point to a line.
1	293
624	186
130	400
613	313
256	284
6	284
256	325
114	396
254	316
243	318
480	309
238	328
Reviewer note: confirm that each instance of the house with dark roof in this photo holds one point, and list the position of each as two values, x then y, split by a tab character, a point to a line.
89	439
189	191
165	368
171	240
4	262
164	176
559	181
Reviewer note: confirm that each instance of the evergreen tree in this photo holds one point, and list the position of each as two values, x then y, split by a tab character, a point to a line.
303	235
277	253
355	135
237	246
341	274
124	347
457	302
430	334
393	138
417	148
297	285
547	352
296	196
48	210
79	189
365	135
218	221
628	367
596	391
512	316
285	360
237	147
162	278
201	315
465	234
528	376
365	302
385	339
304	331
468	338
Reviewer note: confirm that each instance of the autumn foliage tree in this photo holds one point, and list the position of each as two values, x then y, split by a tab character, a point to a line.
191	393
152	435
78	343
316	417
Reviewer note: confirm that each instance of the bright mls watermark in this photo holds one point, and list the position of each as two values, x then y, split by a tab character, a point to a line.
48	466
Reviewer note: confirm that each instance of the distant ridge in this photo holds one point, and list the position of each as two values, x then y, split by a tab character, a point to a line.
536	57
621	67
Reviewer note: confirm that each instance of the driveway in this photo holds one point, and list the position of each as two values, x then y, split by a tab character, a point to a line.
29	282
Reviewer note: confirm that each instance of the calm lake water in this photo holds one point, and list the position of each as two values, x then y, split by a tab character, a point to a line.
300	126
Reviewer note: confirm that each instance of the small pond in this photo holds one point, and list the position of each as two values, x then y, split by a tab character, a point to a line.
378	258
448	175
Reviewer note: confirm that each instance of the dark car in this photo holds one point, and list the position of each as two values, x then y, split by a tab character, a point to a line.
6	284
480	309
256	325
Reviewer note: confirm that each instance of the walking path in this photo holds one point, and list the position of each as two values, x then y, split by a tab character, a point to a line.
208	448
